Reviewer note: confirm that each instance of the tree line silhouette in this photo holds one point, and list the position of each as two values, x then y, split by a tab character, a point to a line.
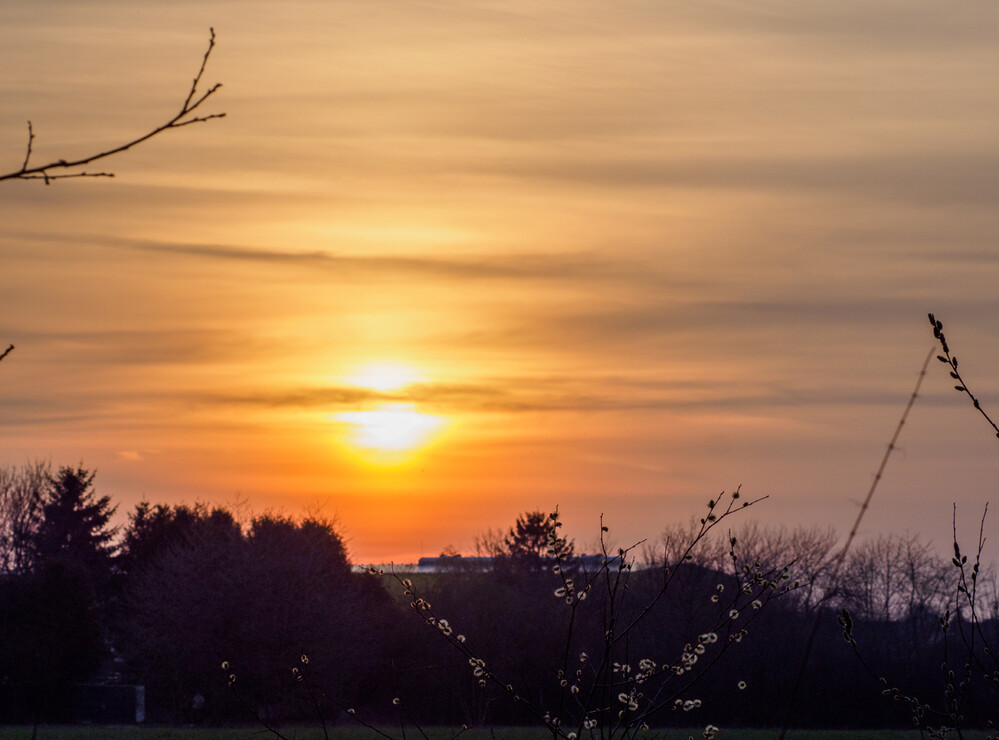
178	592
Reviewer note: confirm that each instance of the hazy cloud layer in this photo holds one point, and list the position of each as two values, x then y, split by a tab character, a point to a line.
648	249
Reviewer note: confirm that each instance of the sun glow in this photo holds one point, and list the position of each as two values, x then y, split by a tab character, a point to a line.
383	376
389	432
391	427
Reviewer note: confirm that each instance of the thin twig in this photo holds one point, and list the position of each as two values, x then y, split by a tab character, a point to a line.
7	351
42	172
834	581
231	683
31	139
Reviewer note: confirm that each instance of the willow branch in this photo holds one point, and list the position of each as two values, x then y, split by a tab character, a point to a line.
184	117
951	361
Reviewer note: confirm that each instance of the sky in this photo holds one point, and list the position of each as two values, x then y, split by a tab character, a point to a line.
446	262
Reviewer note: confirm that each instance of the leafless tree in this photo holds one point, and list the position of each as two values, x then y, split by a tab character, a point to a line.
895	578
62	169
812	550
21	491
675	540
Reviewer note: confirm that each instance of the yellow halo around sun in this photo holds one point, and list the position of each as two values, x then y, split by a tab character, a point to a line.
390	432
391	426
383	376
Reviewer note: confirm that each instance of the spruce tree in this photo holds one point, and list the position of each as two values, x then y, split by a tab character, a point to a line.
75	525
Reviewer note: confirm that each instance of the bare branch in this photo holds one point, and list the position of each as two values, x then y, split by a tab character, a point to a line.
48	177
197	77
951	361
841	558
7	351
183	118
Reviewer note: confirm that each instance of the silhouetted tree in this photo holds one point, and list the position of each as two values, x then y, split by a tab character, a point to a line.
51	610
529	544
75	525
891	578
154	529
21	493
180	602
51	638
199	590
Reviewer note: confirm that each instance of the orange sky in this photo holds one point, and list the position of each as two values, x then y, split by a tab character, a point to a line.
631	254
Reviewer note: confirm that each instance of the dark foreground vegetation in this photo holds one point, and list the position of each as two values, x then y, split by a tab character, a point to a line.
219	619
500	733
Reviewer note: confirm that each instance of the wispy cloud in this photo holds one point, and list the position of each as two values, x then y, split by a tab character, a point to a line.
533	395
589	266
716	214
916	177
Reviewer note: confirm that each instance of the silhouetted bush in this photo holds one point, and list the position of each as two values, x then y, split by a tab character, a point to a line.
201	591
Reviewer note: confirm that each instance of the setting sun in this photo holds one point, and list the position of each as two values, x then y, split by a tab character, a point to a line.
393	430
391	427
496	257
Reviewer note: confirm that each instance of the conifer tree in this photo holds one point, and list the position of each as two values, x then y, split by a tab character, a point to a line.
75	525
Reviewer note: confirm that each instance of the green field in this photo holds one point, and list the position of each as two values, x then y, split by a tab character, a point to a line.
341	733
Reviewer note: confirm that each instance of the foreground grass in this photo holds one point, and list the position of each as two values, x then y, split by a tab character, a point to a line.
47	732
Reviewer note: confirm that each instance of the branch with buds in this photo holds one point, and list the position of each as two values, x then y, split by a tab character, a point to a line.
951	361
186	116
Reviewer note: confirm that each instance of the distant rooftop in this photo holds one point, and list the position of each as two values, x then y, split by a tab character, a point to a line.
445	563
